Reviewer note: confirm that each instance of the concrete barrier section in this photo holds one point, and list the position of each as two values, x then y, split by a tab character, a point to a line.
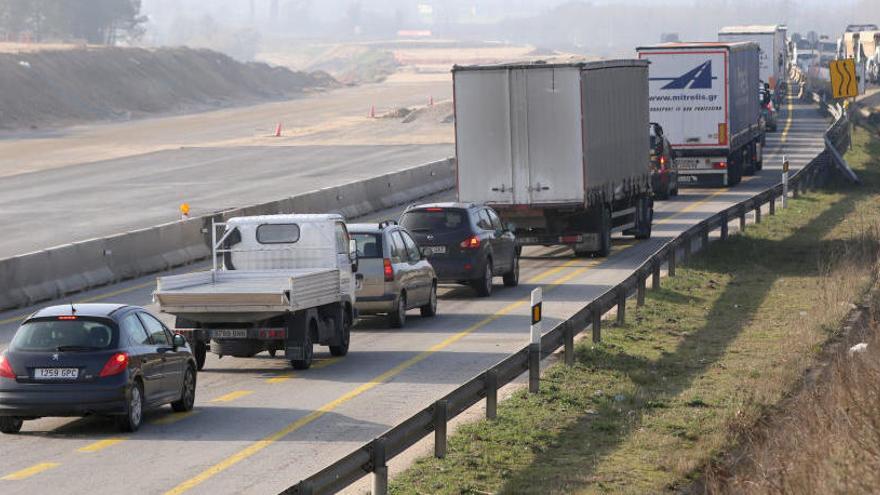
53	273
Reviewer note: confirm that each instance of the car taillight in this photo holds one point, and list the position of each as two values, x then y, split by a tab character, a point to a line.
115	365
6	368
472	242
662	162
388	270
719	165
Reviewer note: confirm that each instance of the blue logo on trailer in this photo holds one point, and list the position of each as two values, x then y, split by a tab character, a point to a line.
699	77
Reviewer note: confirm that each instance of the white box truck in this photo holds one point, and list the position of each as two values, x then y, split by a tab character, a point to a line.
561	151
706	97
774	53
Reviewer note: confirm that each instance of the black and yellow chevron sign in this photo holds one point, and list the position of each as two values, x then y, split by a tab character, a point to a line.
843	78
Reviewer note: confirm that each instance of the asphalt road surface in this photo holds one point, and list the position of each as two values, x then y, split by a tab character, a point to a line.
258	427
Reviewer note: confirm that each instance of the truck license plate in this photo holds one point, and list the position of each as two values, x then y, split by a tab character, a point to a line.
56	373
687	178
230	333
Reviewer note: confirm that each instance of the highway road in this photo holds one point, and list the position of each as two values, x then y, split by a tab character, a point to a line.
258	427
73	184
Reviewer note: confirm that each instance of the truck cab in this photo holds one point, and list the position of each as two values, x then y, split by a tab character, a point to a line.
277	283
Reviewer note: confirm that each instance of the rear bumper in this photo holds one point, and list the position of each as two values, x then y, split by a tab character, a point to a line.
33	400
375	304
702	178
458	268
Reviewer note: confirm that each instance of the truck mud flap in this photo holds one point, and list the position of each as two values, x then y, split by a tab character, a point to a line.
297	326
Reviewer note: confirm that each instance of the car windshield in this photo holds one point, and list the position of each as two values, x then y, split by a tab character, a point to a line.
433	220
63	335
368	245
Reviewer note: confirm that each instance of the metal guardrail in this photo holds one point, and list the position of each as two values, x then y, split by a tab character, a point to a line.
373	456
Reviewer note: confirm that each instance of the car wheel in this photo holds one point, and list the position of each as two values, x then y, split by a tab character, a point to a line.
342	348
200	352
134	409
430	309
397	317
188	393
511	278
483	285
308	352
10	424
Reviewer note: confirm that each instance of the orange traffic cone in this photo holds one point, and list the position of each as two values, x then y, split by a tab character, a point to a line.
278	130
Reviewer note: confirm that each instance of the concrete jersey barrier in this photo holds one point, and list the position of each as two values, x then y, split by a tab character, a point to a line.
55	272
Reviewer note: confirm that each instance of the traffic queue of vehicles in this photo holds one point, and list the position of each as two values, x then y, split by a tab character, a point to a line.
546	154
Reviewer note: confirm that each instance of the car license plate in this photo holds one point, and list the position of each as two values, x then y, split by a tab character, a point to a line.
688	163
430	250
230	333
56	373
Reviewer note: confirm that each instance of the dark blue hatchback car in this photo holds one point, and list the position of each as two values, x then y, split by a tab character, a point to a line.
94	359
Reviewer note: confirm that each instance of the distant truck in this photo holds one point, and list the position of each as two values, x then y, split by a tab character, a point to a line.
286	282
560	151
774	53
706	97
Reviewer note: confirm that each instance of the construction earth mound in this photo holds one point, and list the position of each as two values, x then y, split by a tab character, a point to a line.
54	88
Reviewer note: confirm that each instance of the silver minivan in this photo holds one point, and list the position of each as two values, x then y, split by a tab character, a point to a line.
393	275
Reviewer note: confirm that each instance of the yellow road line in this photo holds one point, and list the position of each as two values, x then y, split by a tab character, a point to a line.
325	362
101	445
283	377
787	122
238	394
28	472
173	418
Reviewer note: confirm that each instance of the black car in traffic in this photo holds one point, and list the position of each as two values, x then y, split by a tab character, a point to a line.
94	359
465	243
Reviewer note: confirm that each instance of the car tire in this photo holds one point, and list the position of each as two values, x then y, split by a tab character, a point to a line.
308	350
342	348
134	409
511	278
429	310
10	424
397	317
483	285
188	392
200	352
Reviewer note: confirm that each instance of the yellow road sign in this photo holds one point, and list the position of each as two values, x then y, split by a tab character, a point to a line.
843	78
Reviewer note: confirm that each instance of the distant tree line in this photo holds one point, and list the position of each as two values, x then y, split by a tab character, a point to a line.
95	21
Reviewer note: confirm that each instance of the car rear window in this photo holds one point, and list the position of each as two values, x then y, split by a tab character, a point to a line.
369	245
59	335
436	220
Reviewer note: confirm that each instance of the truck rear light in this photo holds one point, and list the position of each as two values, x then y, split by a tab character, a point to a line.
472	242
719	165
115	365
273	334
388	270
570	239
6	368
722	134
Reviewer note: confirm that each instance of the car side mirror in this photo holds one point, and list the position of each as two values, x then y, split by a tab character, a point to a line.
353	255
178	340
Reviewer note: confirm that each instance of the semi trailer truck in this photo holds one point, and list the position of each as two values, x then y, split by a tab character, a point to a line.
773	56
561	151
706	97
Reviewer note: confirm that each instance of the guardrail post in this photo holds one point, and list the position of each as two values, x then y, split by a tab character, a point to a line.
724	226
491	394
785	166
742	222
795	189
687	245
534	368
655	274
568	340
597	324
535	341
440	414
758	213
621	306
380	467
671	263
772	205
640	290
704	241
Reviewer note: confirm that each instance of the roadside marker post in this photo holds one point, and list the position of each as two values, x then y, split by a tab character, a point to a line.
535	341
184	211
784	182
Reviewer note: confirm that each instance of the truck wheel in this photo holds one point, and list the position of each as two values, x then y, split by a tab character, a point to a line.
511	278
430	309
734	173
645	219
345	338
200	352
308	351
483	285
10	424
605	233
397	317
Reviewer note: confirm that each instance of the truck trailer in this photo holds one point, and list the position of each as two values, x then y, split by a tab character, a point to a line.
706	97
772	43
561	151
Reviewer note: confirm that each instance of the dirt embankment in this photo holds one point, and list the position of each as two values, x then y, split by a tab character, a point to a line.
54	88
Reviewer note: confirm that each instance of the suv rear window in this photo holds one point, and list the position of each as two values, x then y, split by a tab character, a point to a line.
434	220
59	335
369	245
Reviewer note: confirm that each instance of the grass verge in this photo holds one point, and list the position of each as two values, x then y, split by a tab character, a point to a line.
710	354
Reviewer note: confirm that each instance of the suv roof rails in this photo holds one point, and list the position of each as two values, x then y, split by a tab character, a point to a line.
387	223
